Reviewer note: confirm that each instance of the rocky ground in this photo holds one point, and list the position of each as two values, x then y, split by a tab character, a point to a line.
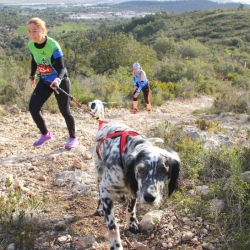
67	178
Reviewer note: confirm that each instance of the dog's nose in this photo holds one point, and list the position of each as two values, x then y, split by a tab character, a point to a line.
149	198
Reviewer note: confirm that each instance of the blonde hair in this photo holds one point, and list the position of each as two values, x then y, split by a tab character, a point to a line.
40	23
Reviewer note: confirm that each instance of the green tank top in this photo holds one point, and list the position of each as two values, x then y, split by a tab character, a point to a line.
43	58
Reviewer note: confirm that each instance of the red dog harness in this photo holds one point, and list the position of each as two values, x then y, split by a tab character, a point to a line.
123	141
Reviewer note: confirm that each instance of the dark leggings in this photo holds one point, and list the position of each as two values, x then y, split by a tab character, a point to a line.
41	94
146	93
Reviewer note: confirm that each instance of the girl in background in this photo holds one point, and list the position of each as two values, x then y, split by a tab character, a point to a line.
140	84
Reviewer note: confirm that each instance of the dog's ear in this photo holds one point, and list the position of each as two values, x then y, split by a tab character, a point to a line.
129	171
174	176
93	105
173	161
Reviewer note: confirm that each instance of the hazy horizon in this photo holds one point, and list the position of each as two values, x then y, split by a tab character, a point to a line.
26	2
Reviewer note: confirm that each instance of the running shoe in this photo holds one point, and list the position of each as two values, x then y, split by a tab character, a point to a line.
133	111
71	143
43	139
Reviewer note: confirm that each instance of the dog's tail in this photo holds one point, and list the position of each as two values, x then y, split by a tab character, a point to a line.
154	140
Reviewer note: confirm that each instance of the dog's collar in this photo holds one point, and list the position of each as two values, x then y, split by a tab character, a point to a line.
101	124
94	112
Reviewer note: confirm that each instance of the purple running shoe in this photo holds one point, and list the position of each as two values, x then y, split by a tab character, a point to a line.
43	139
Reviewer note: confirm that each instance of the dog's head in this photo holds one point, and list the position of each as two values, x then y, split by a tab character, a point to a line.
92	106
149	168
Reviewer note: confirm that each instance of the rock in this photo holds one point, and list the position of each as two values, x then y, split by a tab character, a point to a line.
78	164
139	246
42	178
150	219
195	240
60	226
196	134
203	190
199	247
208	246
85	241
88	156
11	246
187	236
64	238
60	182
216	206
188	183
246	176
69	217
14	109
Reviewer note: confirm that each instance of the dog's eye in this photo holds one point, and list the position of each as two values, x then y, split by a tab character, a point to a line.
164	171
141	170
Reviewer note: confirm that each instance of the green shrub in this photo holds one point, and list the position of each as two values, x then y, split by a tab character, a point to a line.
192	48
157	98
221	171
186	89
231	101
242	82
19	217
232	77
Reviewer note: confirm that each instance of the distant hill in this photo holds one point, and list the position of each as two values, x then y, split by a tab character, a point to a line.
178	6
175	6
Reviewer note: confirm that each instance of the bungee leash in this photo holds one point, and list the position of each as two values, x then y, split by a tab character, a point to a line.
78	103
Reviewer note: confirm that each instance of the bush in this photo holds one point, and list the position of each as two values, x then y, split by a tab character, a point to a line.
242	82
19	217
221	171
192	48
186	89
231	101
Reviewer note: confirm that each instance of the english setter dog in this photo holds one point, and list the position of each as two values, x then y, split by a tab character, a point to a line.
96	107
128	164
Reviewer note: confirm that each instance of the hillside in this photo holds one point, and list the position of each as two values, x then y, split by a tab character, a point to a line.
175	6
212	26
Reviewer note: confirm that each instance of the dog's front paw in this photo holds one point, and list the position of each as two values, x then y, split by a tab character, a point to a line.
115	240
134	227
116	248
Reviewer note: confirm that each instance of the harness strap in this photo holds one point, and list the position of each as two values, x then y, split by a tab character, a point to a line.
123	141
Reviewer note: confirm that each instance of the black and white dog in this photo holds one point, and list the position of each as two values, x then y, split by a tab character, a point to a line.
129	164
96	107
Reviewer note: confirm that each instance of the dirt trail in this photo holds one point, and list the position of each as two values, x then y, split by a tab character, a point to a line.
38	169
